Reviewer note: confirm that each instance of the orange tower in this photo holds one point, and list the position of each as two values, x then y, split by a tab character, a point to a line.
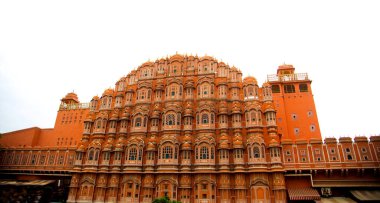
293	99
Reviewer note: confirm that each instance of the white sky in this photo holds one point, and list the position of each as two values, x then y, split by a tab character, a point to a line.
49	48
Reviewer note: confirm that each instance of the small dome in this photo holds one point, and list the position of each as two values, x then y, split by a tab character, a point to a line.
250	80
115	115
224	136
148	63
126	113
206	58
189	83
119	146
223	145
238	141
89	118
238	144
266	84
268	107
186	145
107	146
150	147
108	92
236	107
95	98
71	96
273	143
176	57
81	147
189	109
188	112
222	64
223	108
285	66
152	139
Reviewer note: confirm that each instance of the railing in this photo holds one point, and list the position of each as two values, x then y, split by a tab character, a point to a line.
74	106
250	98
287	77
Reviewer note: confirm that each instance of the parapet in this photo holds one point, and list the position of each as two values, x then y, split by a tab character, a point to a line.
332	140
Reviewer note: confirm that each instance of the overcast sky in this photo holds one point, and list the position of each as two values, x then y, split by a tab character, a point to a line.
50	48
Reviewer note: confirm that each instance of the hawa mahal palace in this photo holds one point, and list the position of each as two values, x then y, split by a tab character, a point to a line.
193	129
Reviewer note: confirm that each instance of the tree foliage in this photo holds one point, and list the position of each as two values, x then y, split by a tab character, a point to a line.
164	200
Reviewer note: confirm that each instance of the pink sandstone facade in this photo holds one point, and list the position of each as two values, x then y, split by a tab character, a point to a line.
191	128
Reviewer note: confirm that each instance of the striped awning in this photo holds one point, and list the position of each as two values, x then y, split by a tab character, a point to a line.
26	183
366	195
337	200
306	193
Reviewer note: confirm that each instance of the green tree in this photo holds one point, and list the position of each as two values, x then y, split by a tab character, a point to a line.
164	200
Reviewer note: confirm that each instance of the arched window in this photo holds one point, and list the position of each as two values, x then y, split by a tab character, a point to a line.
204	118
173	91
104	124
250	91
145	121
253	116
138	122
205	90
204	153
96	155
140	154
256	152
167	152
178	118
98	124
132	153
91	154
170	119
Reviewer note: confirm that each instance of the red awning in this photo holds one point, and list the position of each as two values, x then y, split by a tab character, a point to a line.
306	193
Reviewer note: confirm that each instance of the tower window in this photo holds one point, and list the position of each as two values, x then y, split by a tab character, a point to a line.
303	88
275	89
312	128
296	131
289	89
309	113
